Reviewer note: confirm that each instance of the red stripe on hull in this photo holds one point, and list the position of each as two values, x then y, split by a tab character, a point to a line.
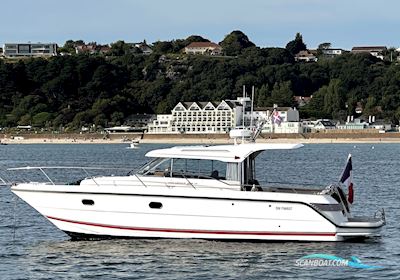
197	231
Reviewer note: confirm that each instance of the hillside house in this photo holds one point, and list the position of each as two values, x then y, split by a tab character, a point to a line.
305	56
376	51
203	48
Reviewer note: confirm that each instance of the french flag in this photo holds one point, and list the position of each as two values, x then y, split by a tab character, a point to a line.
346	179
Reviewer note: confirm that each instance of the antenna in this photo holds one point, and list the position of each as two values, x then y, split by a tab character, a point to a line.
243	109
245	132
252	104
243	104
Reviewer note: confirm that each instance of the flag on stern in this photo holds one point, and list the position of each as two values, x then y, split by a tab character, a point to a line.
346	179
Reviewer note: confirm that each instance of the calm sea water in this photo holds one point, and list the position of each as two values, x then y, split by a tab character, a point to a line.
31	248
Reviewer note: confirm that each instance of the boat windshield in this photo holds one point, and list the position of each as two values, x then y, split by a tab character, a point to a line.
191	168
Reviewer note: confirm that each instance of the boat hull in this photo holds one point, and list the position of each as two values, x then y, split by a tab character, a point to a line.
91	215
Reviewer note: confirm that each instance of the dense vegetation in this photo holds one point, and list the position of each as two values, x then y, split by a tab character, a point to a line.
81	90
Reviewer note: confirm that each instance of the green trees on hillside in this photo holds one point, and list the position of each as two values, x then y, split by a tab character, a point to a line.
73	91
176	46
329	101
296	45
235	42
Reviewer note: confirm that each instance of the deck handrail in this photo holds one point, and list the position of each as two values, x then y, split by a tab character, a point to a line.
266	186
3	182
84	168
66	167
143	183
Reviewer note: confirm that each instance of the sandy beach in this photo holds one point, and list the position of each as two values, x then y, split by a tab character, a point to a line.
187	139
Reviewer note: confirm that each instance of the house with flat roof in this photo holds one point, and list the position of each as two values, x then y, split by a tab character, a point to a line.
161	124
140	121
287	114
355	124
15	50
284	127
333	52
203	48
279	119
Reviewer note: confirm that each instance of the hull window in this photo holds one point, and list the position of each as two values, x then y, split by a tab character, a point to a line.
155	205
87	202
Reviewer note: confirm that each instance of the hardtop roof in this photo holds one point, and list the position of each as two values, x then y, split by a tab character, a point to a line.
225	153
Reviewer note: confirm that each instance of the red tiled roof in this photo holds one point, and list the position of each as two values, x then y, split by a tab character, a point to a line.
203	45
304	53
369	48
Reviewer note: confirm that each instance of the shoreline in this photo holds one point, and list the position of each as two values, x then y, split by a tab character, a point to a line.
194	140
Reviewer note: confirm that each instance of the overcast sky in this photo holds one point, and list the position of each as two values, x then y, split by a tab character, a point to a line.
267	23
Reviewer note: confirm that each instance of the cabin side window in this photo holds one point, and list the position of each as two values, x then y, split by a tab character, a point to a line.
192	168
201	169
233	171
157	167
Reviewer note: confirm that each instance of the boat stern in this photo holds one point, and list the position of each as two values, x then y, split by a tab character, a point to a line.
362	227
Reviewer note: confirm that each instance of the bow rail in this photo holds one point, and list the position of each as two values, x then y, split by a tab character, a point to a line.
83	168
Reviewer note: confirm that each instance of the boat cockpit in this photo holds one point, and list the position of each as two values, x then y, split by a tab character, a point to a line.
243	173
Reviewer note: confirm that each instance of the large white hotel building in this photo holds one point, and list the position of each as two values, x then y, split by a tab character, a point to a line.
201	117
221	117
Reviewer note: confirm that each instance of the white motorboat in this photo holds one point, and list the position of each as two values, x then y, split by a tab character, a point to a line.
206	192
133	145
